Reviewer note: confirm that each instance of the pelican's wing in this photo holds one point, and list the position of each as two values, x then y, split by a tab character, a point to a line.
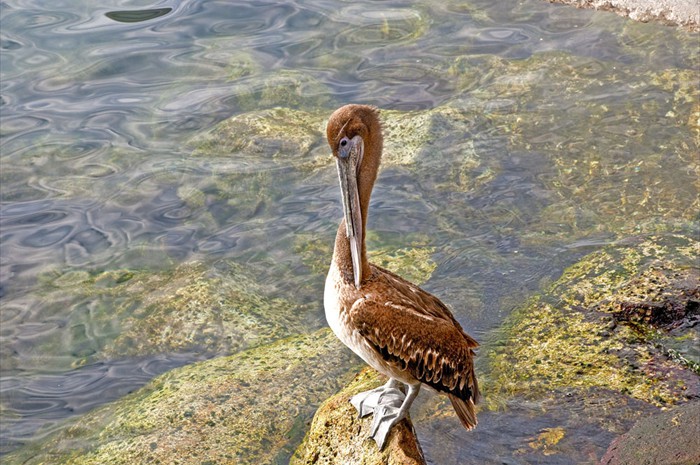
405	293
431	349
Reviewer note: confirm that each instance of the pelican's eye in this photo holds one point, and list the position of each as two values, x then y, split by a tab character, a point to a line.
344	146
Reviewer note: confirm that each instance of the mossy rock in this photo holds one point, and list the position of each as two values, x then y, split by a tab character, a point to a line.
639	185
249	408
280	88
289	137
567	338
195	305
337	435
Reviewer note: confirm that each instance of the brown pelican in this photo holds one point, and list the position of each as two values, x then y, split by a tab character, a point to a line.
396	327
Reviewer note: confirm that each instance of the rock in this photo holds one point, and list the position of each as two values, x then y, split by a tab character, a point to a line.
249	408
662	298
410	138
338	436
675	12
406	254
564	339
669	437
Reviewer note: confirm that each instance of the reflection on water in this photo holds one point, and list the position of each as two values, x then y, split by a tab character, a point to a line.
135	16
575	120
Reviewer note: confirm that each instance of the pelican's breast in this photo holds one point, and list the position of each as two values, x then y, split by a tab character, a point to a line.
332	305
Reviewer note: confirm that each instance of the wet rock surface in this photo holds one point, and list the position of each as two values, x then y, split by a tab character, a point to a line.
665	299
669	437
577	341
592	339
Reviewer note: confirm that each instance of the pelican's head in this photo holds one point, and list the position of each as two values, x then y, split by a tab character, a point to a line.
354	134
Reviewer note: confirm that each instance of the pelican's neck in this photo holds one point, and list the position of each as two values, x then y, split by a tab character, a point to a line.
342	257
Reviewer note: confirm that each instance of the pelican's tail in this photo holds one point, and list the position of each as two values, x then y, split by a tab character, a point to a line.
465	411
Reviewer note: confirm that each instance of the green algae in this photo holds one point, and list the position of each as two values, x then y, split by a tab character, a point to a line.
413	264
547	440
236	409
566	338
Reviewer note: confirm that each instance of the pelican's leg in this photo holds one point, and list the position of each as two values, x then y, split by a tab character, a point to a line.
387	415
366	402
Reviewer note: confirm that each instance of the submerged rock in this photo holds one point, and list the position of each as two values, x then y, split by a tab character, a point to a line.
338	436
219	308
408	255
297	138
248	408
277	132
639	185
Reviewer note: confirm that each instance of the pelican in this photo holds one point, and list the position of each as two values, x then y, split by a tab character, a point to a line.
396	327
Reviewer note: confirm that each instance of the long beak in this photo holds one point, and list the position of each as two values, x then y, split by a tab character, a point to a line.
348	162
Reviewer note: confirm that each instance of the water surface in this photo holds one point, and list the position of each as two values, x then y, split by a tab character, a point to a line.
580	132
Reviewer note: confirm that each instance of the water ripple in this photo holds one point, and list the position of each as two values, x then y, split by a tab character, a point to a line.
44	401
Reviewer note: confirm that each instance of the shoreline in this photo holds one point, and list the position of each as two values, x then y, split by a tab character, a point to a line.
681	13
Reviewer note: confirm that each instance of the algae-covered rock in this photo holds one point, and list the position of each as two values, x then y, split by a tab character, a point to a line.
338	436
567	338
249	408
297	138
608	165
196	305
280	88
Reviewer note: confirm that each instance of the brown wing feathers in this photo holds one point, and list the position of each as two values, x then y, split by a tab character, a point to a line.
433	350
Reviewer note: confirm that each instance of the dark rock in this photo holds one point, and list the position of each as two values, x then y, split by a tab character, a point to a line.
670	437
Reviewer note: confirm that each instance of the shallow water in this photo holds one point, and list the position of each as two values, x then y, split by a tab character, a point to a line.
582	129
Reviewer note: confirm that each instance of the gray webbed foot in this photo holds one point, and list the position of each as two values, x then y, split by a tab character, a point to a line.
385	417
385	402
366	402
